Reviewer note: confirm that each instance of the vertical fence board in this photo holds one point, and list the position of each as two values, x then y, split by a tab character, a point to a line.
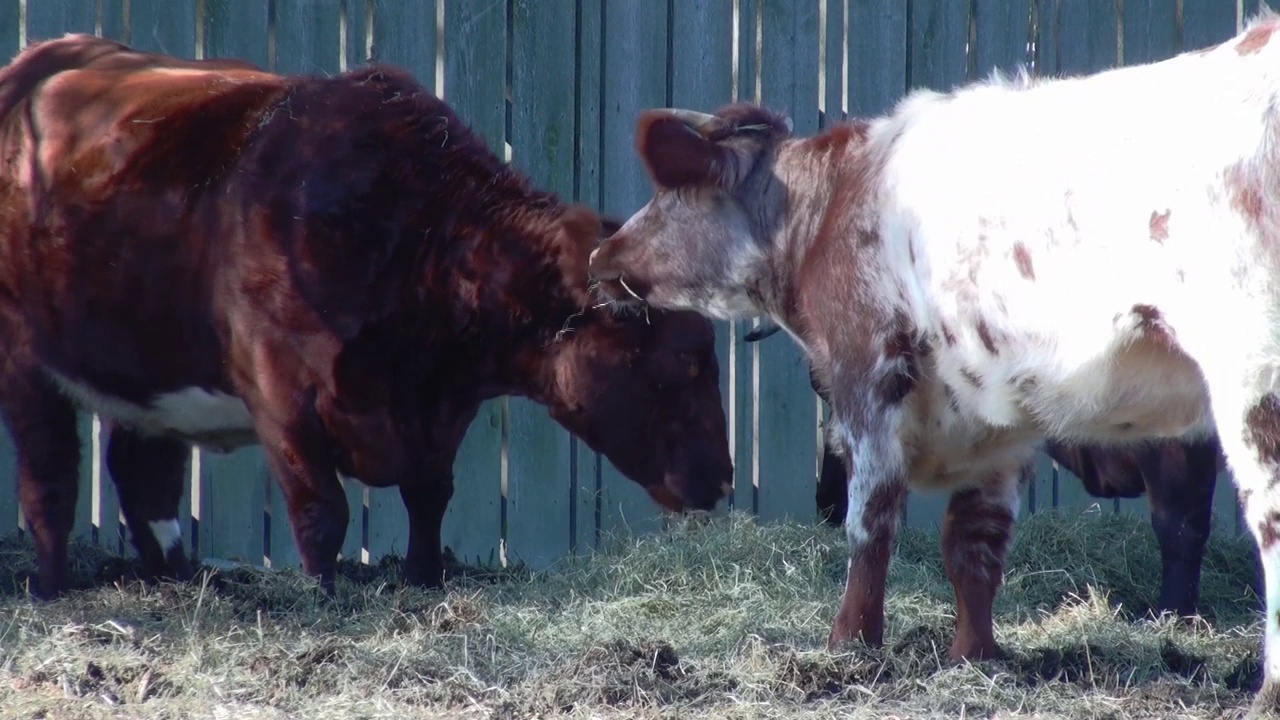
404	34
475	87
1150	30
541	462
166	26
634	29
10	33
233	485
833	62
106	503
9	510
1207	22
787	422
1000	31
877	55
742	357
702	66
1086	36
586	496
308	41
936	59
48	19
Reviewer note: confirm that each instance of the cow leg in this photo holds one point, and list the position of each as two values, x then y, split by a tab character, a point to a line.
975	539
877	492
148	472
42	423
1181	499
426	503
300	460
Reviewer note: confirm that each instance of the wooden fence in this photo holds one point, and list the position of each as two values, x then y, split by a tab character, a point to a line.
556	86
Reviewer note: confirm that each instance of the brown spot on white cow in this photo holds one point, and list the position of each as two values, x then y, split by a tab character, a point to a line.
972	376
1256	39
988	340
1263	424
1022	257
1159	225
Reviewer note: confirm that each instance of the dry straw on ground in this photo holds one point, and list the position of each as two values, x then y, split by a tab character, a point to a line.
725	619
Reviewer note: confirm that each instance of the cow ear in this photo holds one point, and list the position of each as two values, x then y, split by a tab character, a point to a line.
675	154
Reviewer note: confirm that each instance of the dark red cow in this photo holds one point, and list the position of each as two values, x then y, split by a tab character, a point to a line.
337	268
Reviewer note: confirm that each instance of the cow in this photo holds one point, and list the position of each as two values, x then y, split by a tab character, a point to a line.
334	268
928	261
1177	477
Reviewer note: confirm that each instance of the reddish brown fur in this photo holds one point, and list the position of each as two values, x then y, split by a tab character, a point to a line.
341	253
975	538
861	614
1159	225
1256	39
1022	257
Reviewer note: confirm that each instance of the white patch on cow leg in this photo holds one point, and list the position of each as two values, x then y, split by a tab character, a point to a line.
166	532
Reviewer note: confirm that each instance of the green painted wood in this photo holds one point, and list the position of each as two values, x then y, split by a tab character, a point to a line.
10	34
404	34
167	26
541	500
308	40
702	65
742	358
1045	54
877	55
83	527
233	486
47	19
1086	36
938	32
1207	22
355	27
832	62
633	29
1002	31
1150	30
474	67
1039	494
786	426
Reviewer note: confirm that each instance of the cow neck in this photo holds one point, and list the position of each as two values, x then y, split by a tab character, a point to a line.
533	264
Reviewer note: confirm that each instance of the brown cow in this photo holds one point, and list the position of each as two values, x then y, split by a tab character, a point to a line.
929	262
337	268
1177	477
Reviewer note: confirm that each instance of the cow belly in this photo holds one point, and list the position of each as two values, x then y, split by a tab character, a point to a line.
213	420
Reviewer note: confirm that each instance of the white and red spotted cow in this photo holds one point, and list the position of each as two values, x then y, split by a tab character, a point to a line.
1092	259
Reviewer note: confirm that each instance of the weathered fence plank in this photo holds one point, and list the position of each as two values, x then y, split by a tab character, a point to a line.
1087	39
10	35
586	189
1150	31
742	357
230	513
1207	22
702	67
163	26
786	464
1002	34
53	18
636	32
474	74
937	59
877	55
542	474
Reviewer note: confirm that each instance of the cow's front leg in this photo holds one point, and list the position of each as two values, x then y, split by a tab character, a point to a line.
301	462
425	500
877	492
975	538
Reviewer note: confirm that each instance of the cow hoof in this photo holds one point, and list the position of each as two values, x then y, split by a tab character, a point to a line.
974	651
1266	704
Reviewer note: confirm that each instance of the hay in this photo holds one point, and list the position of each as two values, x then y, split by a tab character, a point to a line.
723	619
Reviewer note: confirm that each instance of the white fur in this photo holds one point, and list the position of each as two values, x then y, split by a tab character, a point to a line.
192	412
167	532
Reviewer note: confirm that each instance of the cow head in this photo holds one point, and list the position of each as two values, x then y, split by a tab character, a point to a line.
703	241
644	391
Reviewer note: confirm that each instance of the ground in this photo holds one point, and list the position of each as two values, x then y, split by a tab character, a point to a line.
721	619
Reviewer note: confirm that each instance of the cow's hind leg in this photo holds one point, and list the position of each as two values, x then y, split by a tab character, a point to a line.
1180	483
147	472
425	503
42	423
975	538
